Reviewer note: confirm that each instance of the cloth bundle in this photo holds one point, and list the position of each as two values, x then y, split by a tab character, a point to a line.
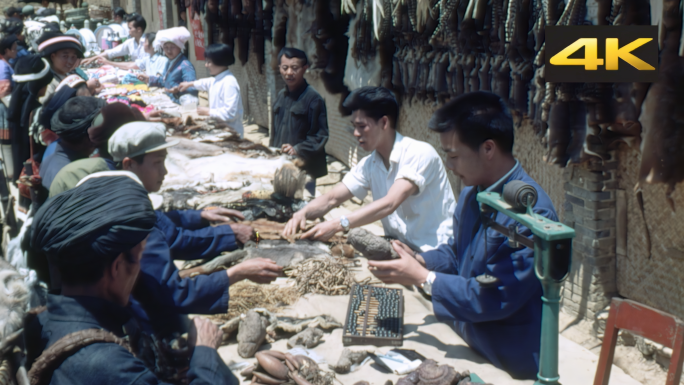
178	36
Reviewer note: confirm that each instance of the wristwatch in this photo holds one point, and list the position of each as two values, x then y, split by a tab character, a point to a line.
427	285
344	222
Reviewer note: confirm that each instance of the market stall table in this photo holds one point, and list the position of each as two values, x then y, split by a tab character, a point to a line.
425	335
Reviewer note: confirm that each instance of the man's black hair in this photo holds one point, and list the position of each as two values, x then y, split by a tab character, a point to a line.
149	38
13	12
88	273
118	11
476	117
137	20
220	54
375	102
140	159
290	53
6	43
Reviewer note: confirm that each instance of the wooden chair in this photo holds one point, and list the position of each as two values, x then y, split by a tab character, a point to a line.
647	322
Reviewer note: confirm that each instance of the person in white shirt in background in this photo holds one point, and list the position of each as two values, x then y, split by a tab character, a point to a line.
412	196
225	102
153	64
133	47
120	17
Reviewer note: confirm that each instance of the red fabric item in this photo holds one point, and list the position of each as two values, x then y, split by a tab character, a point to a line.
48	137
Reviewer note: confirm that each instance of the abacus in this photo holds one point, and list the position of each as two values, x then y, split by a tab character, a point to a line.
375	316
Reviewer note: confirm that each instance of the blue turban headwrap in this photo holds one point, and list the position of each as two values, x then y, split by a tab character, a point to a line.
101	218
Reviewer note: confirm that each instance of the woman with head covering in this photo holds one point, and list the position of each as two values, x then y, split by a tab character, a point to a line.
8	51
64	53
32	77
178	69
153	64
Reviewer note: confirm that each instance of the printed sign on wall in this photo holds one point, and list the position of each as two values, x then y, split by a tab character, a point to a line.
198	36
161	14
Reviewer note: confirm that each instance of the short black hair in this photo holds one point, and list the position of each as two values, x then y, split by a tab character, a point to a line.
11	12
476	117
139	159
137	20
118	11
375	102
149	38
220	54
6	43
88	273
290	53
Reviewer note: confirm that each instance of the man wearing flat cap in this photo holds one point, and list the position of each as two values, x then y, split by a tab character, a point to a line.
71	123
140	147
95	234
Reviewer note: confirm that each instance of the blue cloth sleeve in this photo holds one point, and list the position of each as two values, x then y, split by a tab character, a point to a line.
207	367
160	288
442	259
189	75
455	297
155	81
203	242
187	219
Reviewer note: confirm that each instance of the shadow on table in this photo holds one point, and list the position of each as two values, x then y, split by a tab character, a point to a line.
461	352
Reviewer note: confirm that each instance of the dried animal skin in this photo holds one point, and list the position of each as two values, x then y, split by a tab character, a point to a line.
251	333
289	180
309	338
347	359
14	298
285	255
371	246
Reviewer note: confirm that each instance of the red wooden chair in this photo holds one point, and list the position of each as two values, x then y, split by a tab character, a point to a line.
647	322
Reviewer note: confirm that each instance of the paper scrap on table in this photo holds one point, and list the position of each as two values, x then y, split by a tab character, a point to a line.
399	364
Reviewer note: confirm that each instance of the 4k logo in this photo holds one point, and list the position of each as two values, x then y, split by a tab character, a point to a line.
589	54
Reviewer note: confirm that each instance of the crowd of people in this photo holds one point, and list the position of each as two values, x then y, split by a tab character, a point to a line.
108	256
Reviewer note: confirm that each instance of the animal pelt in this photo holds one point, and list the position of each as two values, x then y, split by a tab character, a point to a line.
14	299
662	117
289	180
282	252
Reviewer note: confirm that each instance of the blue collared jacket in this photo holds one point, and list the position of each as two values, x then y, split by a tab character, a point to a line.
161	292
177	71
502	323
108	363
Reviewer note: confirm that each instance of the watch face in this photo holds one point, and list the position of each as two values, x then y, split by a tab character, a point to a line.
344	222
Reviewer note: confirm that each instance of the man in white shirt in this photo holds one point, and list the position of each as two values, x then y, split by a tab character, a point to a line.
411	193
225	102
120	17
133	47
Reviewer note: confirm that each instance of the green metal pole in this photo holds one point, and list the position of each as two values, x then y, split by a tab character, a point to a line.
545	252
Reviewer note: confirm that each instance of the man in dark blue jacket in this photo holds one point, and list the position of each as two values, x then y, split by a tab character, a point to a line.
95	235
501	321
140	147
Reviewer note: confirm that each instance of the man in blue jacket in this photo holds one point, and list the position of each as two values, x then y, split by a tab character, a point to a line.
140	147
95	234
502	321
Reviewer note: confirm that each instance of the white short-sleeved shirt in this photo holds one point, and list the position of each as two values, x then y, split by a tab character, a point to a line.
424	220
225	102
154	65
129	47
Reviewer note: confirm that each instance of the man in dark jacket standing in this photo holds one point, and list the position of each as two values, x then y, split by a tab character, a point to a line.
300	123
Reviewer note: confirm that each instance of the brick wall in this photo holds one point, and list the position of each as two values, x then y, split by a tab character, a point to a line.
590	208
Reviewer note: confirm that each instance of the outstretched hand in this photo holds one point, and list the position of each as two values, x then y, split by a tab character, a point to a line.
221	215
259	270
406	270
298	222
323	231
